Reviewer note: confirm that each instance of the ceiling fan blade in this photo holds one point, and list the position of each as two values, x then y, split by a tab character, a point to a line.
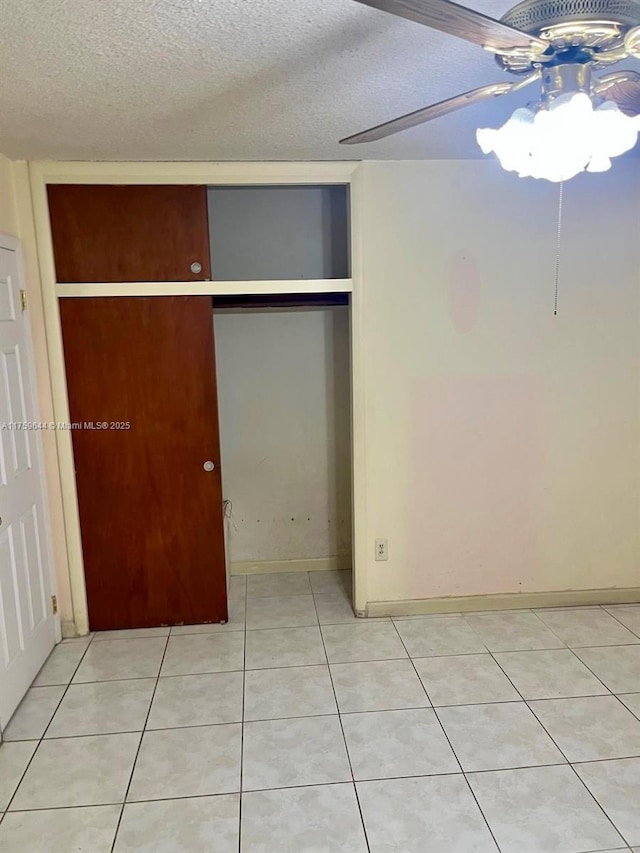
462	22
380	131
622	87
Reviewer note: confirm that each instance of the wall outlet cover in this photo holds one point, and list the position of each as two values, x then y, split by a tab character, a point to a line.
382	549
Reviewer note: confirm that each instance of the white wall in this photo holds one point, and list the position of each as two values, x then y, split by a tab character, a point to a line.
502	443
284	404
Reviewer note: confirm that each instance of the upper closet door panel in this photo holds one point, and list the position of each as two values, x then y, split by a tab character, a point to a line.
129	233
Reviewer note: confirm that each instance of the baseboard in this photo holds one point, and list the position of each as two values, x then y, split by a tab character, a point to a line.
319	564
507	601
68	629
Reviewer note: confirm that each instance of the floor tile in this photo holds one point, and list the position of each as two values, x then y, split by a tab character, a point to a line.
424	815
493	737
293	752
550	674
632	701
14	758
297	691
331	582
587	627
383	685
597	727
362	641
32	716
278	584
60	665
198	653
386	744
513	632
201	825
289	611
197	700
335	609
464	680
321	819
616	786
439	635
113	660
628	614
78	771
237	608
618	667
297	772
540	809
131	634
284	647
187	762
105	707
237	587
90	830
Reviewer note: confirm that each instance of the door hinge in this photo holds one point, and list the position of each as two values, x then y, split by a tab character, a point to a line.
23	300
54	604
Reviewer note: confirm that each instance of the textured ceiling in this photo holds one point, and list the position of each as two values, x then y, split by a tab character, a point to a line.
231	80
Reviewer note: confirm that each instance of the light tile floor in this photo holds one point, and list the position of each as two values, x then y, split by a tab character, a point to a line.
298	728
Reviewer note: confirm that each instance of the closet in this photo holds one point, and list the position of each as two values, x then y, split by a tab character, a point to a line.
141	374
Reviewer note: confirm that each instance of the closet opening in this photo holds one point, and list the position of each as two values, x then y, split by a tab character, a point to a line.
283	376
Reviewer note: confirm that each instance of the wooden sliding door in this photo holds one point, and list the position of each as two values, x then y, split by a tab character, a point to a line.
129	232
142	399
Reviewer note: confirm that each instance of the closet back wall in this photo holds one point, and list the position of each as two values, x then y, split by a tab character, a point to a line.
284	403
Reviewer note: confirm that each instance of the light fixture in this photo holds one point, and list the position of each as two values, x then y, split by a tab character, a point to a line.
569	130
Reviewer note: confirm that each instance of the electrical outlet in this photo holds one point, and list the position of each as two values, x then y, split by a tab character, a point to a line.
382	549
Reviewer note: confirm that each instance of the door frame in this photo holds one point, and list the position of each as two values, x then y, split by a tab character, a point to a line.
347	173
13	244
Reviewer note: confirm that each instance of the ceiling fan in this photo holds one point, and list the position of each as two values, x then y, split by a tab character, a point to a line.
579	121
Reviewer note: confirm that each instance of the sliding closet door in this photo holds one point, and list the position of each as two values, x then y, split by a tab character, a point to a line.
129	232
142	394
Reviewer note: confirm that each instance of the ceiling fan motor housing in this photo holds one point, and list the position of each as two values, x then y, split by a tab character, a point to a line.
576	30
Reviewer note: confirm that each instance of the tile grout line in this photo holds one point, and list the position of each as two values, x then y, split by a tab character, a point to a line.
561	751
620	622
542	622
242	721
519	701
344	737
41	738
444	732
142	733
492	654
596	645
616	695
627	645
591	794
609	693
453	773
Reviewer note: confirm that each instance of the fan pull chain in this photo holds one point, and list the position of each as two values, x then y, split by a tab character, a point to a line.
558	239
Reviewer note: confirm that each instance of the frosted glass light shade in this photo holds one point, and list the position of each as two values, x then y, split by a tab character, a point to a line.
563	139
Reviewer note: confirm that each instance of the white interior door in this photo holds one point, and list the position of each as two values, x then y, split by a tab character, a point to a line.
27	625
